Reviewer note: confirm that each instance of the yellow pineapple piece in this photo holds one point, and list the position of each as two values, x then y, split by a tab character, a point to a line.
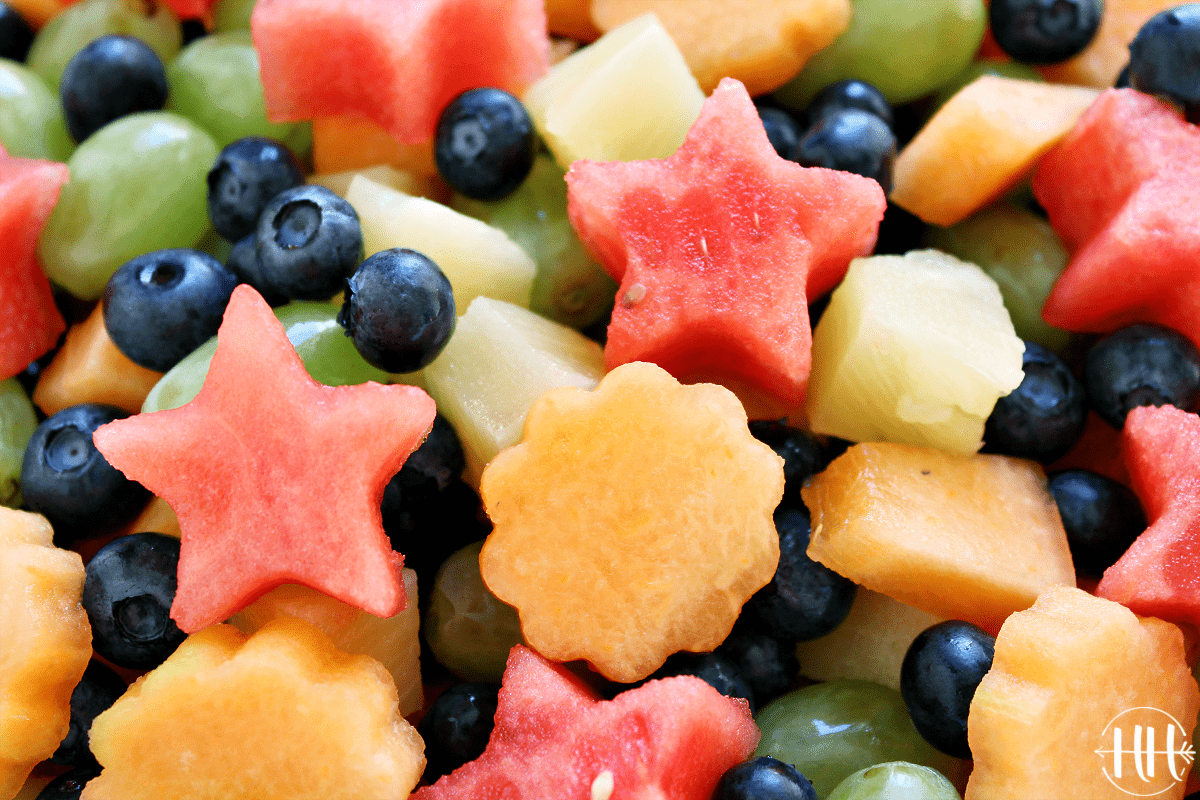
45	643
413	183
281	714
632	521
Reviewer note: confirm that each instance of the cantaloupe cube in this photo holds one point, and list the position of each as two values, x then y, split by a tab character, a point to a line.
626	97
981	143
962	537
1102	60
571	18
1067	673
912	349
347	142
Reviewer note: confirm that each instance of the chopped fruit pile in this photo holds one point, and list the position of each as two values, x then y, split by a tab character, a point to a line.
599	399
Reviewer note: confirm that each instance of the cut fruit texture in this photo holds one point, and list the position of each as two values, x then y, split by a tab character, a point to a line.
973	537
577	106
279	715
410	183
571	18
763	45
915	349
1066	673
981	143
1101	61
45	643
352	141
632	521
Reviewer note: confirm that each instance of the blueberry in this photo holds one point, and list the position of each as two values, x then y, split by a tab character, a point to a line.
192	29
94	694
309	241
782	130
109	78
1101	517
128	589
1122	81
802	457
1164	57
247	174
804	600
161	306
1043	417
764	778
66	479
1141	365
850	93
457	726
939	676
767	664
15	34
899	231
851	140
242	261
1044	31
69	785
484	144
399	310
715	669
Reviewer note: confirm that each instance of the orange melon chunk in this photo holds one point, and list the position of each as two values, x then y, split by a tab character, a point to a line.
1066	673
351	142
962	537
632	521
281	714
571	18
45	643
762	44
981	143
1102	60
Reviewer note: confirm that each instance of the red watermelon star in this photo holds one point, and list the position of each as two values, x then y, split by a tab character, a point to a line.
718	249
1123	192
275	478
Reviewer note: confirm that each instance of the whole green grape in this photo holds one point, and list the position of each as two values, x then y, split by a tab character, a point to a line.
67	34
17	423
977	69
137	185
215	83
906	48
896	780
569	286
232	15
31	120
830	730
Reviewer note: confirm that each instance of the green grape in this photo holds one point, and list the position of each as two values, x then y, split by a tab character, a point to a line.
17	423
31	120
232	15
1022	253
215	245
569	286
70	31
977	69
137	185
328	355
831	730
468	629
906	48
214	82
896	780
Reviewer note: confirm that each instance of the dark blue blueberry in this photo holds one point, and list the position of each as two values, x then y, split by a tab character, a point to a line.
939	676
457	726
242	261
804	600
715	669
1141	365
245	177
161	306
399	310
1044	31
127	594
801	456
94	694
192	29
782	130
850	93
766	663
1043	417
1164	57
15	34
851	140
109	78
1122	81
1101	517
66	479
484	144
69	785
764	778
309	241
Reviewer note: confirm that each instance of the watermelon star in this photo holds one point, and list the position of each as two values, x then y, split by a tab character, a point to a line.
717	250
275	478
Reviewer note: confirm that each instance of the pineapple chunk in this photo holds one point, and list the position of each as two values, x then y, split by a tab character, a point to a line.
501	359
913	349
582	107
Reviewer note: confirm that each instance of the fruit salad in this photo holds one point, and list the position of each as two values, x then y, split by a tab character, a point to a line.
599	399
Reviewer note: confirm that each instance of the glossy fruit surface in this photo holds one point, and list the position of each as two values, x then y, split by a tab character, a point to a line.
1141	365
764	778
1163	56
16	34
1043	417
31	121
1102	518
849	93
896	780
484	144
850	140
308	241
1044	31
939	676
457	726
247	175
110	78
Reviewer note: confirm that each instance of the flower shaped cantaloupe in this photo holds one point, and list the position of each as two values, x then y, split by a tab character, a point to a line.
632	521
